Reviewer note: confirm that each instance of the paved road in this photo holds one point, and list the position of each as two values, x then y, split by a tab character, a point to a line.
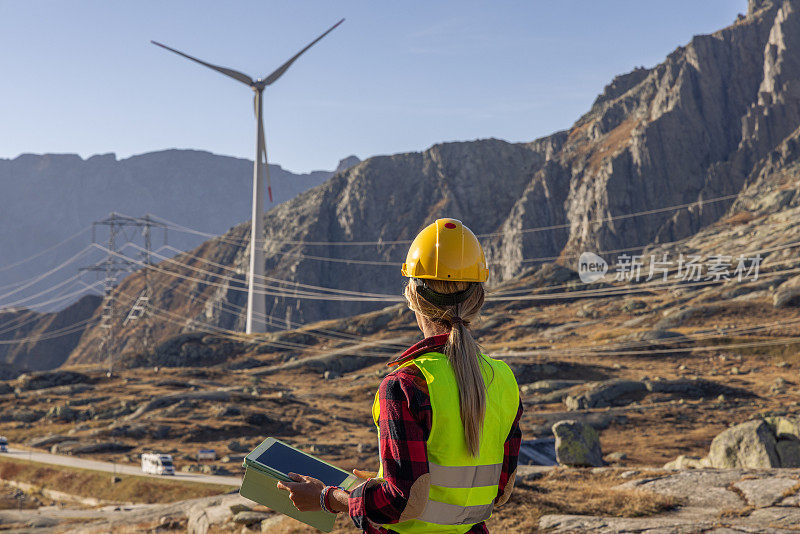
71	461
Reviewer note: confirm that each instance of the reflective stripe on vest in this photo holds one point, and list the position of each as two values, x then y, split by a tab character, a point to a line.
462	487
441	513
464	476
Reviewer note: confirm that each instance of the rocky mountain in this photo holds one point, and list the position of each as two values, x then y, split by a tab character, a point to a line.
35	341
45	199
703	130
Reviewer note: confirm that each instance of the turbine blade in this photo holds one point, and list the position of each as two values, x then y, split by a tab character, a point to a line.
264	152
235	74
269	80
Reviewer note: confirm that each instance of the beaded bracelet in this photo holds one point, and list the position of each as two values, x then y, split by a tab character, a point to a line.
323	498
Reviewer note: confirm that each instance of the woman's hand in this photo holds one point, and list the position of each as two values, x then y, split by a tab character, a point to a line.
365	475
304	491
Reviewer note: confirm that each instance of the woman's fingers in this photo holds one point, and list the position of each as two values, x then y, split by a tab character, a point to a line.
364	474
304	491
283	486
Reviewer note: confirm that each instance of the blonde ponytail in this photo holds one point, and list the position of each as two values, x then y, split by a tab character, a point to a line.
461	350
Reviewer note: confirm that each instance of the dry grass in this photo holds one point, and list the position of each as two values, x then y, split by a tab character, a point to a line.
741	217
96	484
613	142
608	333
737	512
14	499
788	352
574	491
791	491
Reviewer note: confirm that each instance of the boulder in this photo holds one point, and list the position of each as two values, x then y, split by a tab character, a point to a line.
210	514
788	451
615	457
608	393
577	444
62	413
678	317
547	386
787	294
136	431
250	518
258	419
227	411
538	452
165	401
63	446
766	491
750	445
688	462
633	305
784	427
48	440
25	415
239	507
49	379
83	447
235	446
211	469
652	342
695	389
548	398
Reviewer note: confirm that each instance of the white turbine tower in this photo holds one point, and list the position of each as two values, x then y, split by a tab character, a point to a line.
256	304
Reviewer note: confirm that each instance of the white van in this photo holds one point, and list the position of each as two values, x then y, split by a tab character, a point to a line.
3	444
157	464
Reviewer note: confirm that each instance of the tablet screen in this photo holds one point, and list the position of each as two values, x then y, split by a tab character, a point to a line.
287	460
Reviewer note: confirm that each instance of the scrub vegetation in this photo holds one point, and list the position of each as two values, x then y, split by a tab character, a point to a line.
95	484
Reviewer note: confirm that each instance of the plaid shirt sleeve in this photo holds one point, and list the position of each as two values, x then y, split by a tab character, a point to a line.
511	449
405	423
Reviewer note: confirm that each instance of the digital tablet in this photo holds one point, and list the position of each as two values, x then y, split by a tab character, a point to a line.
279	459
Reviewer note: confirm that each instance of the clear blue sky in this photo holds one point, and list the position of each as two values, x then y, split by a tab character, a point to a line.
82	76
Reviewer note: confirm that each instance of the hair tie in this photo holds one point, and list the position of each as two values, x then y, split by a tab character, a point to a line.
458	320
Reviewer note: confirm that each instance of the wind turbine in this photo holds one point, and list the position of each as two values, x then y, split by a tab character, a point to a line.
256	304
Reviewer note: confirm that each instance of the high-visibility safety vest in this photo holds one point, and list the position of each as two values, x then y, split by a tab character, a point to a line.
462	487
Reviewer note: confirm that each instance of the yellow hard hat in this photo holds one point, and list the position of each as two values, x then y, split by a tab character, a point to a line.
446	250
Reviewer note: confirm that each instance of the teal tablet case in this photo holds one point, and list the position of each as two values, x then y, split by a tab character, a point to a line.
260	485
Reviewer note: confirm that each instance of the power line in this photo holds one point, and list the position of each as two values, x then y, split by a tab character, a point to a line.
28	316
48	249
278	293
540	296
182	228
44	275
786	341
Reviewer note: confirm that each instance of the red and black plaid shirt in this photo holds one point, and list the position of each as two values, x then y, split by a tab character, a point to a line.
405	423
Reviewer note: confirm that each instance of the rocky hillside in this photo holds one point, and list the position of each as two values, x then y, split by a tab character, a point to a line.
44	199
43	340
715	119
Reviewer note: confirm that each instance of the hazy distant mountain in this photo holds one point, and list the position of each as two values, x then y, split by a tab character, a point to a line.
705	123
46	198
